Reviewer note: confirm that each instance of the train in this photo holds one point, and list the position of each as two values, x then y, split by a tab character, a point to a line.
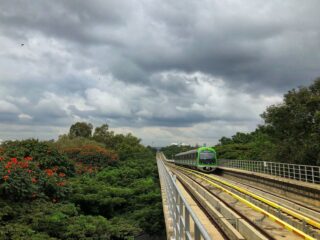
202	158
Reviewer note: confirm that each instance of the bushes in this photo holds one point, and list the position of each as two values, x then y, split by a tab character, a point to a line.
172	150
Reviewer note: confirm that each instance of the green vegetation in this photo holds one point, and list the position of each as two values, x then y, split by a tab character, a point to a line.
172	150
82	186
290	133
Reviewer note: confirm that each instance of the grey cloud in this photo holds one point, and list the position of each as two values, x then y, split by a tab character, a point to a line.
203	36
76	21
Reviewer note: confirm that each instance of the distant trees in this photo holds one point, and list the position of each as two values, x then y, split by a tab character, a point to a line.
101	133
238	138
125	145
172	150
81	129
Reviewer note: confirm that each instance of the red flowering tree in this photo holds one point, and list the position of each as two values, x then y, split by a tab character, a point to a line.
21	178
43	153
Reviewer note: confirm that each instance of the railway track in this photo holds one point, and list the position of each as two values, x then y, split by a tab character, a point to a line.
269	218
304	209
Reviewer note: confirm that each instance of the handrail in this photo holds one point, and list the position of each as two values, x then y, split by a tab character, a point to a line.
298	172
179	209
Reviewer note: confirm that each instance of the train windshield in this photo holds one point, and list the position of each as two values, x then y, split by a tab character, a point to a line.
206	157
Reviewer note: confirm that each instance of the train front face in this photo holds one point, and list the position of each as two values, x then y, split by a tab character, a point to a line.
207	159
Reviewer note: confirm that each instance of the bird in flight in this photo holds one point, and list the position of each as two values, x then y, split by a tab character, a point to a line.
22	44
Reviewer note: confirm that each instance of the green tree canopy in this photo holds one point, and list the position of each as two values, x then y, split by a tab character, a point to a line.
81	129
294	125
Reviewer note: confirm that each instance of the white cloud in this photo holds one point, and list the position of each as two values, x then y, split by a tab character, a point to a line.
24	116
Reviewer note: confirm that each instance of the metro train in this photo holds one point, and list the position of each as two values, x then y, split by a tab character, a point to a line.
203	159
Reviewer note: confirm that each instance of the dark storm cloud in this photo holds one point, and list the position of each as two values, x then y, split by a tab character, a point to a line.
75	21
259	43
153	63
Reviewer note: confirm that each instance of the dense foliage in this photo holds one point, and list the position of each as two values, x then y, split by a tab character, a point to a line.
79	188
172	150
290	133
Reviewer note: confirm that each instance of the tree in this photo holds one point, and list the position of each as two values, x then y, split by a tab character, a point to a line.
125	145
242	137
294	125
101	132
81	129
225	140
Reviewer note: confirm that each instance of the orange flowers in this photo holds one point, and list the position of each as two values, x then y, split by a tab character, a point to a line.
61	184
62	175
1	159
6	177
49	172
23	164
34	180
28	158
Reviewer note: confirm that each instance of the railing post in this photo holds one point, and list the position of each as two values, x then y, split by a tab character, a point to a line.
196	233
305	172
187	223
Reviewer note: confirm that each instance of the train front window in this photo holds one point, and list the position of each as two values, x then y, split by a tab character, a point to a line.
206	158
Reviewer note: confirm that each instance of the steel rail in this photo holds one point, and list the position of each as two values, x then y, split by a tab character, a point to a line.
251	205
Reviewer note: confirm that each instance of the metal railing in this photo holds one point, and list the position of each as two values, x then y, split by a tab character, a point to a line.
186	225
304	173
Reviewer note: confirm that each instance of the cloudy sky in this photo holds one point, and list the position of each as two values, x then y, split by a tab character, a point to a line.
168	71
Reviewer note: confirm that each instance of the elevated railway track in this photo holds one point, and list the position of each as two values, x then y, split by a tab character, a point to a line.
244	212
